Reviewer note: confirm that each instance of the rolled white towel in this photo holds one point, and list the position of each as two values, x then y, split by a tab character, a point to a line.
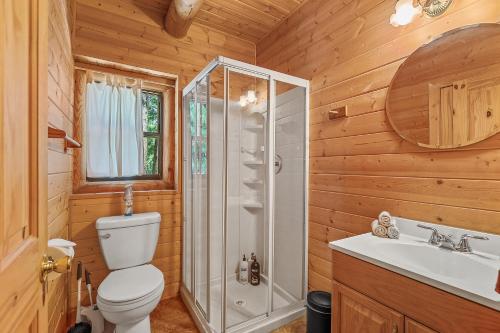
385	219
393	232
379	230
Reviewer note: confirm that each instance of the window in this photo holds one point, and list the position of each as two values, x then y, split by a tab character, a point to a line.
152	102
128	130
124	133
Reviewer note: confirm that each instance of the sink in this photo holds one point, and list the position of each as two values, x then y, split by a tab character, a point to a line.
472	276
467	269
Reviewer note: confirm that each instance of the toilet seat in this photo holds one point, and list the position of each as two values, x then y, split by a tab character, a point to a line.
130	288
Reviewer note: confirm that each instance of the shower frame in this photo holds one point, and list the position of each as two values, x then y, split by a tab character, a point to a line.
189	296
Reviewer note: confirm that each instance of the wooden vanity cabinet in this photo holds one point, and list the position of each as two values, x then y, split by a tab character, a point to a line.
370	299
357	313
411	326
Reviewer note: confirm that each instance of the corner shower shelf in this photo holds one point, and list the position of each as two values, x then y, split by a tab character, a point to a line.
253	181
254	163
253	204
254	127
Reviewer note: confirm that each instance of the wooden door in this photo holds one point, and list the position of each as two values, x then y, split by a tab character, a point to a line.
357	313
412	326
23	164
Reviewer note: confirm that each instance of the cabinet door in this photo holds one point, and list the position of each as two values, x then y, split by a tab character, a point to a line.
412	326
356	313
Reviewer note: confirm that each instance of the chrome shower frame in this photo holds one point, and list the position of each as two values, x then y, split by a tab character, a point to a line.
189	295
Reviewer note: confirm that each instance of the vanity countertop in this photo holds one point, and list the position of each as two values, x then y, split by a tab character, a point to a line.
471	276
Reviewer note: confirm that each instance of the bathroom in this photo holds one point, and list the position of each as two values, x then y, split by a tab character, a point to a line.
276	128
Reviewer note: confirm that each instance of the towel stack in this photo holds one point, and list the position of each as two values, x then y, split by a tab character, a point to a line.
385	226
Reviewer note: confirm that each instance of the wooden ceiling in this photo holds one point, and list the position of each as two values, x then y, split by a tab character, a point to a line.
250	20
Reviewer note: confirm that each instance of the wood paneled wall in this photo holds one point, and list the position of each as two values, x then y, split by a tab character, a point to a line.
358	165
60	115
121	31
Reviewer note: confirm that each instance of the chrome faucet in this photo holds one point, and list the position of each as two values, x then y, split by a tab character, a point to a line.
447	242
129	201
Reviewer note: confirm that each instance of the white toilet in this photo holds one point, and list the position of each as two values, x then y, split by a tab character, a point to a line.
133	289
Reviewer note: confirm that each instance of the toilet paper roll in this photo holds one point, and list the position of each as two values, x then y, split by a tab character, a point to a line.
61	247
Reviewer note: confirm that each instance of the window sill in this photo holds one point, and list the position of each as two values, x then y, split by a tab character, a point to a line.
116	188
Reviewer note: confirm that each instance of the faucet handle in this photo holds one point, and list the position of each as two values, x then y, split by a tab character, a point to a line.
464	245
435	238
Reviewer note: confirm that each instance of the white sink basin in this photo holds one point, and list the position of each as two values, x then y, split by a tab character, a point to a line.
472	276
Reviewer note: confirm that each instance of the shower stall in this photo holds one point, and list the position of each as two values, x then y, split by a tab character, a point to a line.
245	139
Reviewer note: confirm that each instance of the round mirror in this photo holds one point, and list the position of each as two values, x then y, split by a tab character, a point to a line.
447	93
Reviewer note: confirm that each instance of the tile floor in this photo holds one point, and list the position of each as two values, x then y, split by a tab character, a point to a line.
172	316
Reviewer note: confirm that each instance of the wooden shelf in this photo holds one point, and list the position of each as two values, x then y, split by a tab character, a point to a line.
55	133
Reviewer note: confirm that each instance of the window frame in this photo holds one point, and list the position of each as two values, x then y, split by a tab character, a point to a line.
169	164
158	135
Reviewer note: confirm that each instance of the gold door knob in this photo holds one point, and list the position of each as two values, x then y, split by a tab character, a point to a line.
49	265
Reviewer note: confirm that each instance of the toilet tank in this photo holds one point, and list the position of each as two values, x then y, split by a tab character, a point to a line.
128	241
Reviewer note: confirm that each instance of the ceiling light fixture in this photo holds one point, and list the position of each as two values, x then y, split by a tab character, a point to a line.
405	11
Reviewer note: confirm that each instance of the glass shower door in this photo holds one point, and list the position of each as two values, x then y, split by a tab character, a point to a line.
189	157
247	227
289	195
198	130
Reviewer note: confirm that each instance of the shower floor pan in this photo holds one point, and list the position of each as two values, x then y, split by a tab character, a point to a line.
246	307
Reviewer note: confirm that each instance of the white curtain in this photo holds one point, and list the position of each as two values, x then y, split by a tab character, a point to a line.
114	131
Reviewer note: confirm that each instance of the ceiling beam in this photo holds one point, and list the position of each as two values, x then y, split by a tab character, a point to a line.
180	15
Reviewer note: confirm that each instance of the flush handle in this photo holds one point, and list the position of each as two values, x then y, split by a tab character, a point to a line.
106	236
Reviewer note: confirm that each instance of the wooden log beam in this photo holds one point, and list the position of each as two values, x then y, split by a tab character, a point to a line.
180	15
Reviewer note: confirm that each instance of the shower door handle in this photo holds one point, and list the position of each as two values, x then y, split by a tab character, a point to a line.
278	163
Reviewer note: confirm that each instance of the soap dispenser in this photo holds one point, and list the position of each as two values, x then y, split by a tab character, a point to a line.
243	273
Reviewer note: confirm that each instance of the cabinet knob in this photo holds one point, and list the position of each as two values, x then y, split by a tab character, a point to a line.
394	328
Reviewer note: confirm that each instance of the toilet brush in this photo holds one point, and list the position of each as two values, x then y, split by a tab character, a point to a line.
89	287
79	327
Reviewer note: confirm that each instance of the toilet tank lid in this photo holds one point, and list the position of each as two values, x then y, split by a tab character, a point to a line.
122	221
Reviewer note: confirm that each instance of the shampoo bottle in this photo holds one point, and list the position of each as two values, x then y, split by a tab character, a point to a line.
250	261
243	274
255	272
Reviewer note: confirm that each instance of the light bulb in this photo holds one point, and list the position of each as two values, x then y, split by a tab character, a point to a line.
251	97
243	100
405	13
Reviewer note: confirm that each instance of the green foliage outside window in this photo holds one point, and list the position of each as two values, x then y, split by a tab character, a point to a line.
198	128
151	107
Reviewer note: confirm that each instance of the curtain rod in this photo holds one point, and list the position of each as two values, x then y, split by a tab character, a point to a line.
146	77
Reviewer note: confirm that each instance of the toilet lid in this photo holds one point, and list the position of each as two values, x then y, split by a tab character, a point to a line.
130	283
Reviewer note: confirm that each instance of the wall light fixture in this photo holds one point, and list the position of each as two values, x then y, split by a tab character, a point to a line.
405	11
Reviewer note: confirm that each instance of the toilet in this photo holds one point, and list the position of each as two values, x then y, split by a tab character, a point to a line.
133	289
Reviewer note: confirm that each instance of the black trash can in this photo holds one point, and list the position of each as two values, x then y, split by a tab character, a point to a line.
319	312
